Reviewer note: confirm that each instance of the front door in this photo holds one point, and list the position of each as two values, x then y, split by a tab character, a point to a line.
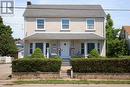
65	46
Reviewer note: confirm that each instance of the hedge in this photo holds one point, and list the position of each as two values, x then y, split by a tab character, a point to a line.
35	65
101	65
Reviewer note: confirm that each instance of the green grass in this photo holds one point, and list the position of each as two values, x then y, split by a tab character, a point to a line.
72	82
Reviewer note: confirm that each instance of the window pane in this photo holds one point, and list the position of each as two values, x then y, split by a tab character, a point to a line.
65	24
99	48
90	24
39	45
40	23
82	48
90	47
31	48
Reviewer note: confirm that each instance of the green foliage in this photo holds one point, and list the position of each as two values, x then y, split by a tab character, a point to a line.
76	56
94	54
34	65
101	65
37	53
115	46
7	43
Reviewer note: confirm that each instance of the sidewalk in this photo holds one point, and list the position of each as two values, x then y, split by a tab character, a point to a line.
68	85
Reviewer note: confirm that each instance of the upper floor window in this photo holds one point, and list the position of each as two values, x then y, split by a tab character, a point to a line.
65	24
90	23
40	23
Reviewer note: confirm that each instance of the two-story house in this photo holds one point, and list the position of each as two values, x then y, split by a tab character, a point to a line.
66	30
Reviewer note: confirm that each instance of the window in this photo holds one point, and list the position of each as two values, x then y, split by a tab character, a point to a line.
98	47
90	24
90	46
40	24
31	48
82	48
39	45
65	24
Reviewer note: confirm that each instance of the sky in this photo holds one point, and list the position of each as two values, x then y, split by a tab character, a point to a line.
120	18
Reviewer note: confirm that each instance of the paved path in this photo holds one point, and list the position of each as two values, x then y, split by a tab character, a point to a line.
69	85
5	71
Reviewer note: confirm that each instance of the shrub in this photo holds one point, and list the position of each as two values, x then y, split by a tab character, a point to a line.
34	65
101	65
37	53
94	54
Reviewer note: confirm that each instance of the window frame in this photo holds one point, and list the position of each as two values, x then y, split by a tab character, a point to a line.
37	24
62	24
87	24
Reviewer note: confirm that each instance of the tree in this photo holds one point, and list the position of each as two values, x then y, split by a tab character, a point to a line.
37	53
115	46
7	43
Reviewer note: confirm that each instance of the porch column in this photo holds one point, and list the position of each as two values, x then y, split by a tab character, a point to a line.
44	48
33	46
96	45
85	49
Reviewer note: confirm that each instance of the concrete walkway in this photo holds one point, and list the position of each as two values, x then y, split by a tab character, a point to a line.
5	71
68	85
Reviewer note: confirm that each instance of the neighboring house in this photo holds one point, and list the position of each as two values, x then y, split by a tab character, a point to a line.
20	47
125	34
66	30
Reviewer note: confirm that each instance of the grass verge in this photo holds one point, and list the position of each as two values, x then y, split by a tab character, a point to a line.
72	82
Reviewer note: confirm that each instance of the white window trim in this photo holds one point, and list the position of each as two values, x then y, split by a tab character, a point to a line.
61	24
44	24
87	24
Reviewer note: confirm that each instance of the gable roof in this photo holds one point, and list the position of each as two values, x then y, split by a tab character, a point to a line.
126	29
64	11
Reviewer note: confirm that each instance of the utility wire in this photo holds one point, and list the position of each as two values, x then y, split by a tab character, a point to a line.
33	8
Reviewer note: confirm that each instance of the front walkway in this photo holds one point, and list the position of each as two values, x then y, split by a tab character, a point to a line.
5	71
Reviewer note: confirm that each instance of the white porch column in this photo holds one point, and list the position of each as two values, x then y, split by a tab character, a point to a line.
44	48
33	46
85	49
96	45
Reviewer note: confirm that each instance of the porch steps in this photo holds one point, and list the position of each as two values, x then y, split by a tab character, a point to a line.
66	62
65	72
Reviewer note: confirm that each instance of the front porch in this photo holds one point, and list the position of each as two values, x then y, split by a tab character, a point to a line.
65	48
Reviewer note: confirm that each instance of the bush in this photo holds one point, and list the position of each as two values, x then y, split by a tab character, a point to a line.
101	65
37	53
94	54
34	65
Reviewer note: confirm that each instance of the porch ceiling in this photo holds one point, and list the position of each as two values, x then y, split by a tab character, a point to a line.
64	35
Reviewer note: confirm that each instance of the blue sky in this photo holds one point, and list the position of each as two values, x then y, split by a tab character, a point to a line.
119	18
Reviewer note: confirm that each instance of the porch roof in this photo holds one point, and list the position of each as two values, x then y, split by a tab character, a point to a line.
64	35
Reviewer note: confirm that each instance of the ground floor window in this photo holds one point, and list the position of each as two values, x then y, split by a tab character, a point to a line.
31	48
90	46
98	47
39	45
82	48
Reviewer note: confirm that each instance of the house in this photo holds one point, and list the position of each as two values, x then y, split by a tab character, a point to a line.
64	30
125	34
20	47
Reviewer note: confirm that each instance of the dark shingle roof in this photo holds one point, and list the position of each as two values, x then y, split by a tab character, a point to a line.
64	11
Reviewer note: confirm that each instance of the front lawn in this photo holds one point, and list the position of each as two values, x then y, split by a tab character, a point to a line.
72	82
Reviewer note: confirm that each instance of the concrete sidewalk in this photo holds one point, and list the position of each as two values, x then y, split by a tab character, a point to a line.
68	85
5	71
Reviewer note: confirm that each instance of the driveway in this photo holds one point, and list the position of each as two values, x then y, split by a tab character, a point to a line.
5	71
69	85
